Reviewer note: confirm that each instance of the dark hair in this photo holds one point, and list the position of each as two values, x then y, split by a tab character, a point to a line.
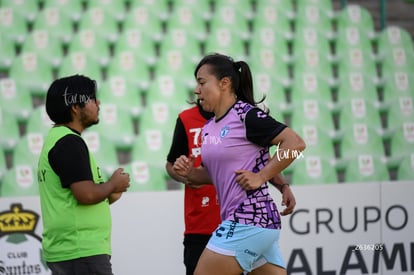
239	73
66	92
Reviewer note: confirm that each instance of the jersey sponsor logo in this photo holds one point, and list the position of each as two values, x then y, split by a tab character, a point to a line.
224	131
205	201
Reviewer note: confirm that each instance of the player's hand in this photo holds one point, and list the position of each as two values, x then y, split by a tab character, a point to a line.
288	200
248	180
183	165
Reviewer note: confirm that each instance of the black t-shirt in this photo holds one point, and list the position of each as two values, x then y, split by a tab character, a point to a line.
69	158
261	128
179	145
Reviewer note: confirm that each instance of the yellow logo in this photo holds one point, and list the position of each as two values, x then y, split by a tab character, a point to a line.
17	220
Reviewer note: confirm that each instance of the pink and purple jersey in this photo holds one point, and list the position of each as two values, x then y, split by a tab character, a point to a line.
240	140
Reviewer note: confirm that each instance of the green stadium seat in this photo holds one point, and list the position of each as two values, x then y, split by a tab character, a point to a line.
44	44
103	151
168	88
119	90
38	74
366	168
406	168
313	170
359	110
394	37
101	21
397	83
27	150
179	39
312	111
397	59
356	15
114	8
285	6
72	9
27	9
18	181
312	16
311	38
155	130
234	14
7	52
116	124
14	99
80	63
354	85
3	164
276	15
152	145
132	65
351	39
13	25
267	60
146	17
398	111
57	22
226	40
267	85
269	37
319	141
158	7
190	17
356	60
312	60
160	115
203	7
324	5
360	138
92	44
176	63
10	130
139	40
39	121
402	141
309	85
145	177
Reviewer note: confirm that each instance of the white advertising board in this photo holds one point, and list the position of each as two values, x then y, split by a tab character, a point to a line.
361	228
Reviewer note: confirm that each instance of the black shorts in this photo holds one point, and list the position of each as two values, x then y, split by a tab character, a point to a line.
194	245
92	265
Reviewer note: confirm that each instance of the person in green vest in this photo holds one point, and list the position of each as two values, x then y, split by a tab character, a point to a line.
74	197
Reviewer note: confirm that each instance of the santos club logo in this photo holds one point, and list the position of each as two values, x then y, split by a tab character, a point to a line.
21	249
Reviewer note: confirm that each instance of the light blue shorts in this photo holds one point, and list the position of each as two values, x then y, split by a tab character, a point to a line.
251	246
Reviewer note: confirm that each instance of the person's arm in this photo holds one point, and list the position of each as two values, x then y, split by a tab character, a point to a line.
279	182
179	146
263	130
70	160
184	167
173	174
290	146
87	192
288	199
113	197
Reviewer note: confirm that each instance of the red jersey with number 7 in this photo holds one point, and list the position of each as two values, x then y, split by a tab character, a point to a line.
202	211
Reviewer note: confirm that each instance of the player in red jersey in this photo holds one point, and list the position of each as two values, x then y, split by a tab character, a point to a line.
201	209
